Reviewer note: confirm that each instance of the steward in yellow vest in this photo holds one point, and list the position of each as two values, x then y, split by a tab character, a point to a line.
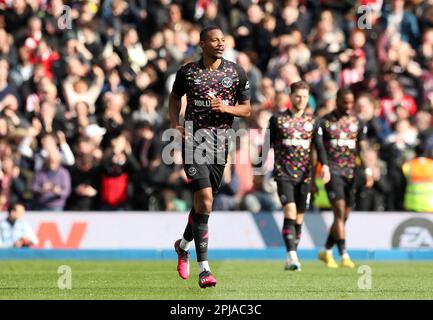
419	184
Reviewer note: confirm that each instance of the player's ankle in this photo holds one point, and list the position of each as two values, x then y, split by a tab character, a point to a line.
203	266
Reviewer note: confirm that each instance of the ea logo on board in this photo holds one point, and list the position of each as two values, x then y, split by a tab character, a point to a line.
192	171
227	82
413	233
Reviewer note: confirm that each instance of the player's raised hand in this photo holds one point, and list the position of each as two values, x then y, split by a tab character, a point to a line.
217	105
326	174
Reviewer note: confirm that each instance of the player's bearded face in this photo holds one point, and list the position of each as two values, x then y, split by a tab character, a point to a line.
214	45
299	99
345	104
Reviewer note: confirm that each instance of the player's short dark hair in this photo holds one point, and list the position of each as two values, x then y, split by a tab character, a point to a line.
343	92
299	85
205	31
13	205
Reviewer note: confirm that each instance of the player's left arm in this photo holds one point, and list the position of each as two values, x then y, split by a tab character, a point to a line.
363	155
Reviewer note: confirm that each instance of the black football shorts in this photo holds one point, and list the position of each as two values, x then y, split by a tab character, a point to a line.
299	193
341	188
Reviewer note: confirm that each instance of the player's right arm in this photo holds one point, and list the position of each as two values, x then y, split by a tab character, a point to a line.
321	152
175	98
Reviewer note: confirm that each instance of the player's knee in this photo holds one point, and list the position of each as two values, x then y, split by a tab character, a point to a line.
205	205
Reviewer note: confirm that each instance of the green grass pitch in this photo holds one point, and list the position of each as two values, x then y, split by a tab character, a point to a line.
236	280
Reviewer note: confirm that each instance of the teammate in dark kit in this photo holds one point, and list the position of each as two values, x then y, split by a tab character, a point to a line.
292	135
217	90
344	137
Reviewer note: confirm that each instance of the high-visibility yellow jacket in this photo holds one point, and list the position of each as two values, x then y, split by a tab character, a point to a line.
419	185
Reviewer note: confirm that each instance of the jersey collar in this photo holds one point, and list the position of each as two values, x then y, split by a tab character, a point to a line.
202	66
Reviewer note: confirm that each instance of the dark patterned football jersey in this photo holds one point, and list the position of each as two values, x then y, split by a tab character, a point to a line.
228	83
292	138
341	136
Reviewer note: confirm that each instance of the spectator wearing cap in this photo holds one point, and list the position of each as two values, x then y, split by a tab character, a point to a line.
15	231
95	133
51	184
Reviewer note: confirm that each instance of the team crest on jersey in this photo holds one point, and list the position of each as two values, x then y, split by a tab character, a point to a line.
227	82
353	127
192	171
308	126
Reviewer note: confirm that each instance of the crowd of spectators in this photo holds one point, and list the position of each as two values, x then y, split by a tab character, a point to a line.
83	92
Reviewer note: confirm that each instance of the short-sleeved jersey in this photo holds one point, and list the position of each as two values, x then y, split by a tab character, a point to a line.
292	138
228	83
341	135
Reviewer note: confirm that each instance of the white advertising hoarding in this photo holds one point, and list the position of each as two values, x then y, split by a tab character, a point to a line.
228	230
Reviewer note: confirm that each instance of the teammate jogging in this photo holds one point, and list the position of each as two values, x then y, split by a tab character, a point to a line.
292	133
217	90
344	137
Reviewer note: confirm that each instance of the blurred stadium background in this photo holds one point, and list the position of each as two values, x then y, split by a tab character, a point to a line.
83	80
